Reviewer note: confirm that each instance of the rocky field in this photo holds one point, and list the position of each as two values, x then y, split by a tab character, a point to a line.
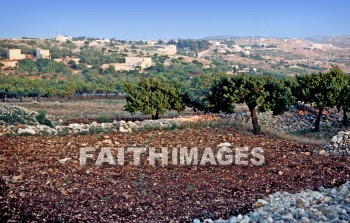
41	179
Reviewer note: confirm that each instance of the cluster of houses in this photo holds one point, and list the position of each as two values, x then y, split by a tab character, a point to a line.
14	55
131	62
224	48
235	69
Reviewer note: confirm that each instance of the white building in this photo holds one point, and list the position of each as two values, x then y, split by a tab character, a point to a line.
168	50
15	54
43	54
214	42
62	38
143	62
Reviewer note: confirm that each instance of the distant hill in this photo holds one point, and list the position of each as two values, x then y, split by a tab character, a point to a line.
339	41
220	37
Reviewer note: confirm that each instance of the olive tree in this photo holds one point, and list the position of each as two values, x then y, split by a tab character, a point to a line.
322	90
152	96
259	93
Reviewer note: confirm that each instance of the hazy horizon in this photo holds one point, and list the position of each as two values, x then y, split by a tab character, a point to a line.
141	20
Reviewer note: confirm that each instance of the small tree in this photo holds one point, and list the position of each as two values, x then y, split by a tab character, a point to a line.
257	92
152	97
111	70
221	96
321	89
197	90
343	101
251	91
72	64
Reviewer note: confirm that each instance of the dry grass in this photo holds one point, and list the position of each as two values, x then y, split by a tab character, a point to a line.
247	127
88	111
300	139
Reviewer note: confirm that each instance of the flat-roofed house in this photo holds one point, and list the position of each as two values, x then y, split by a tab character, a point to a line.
43	54
15	54
62	38
168	50
143	62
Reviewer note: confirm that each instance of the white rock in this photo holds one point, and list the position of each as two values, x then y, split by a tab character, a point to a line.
74	126
124	128
28	130
304	220
64	160
334	139
196	220
340	139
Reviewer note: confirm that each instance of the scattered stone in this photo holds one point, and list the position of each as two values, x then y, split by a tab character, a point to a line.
64	160
12	179
339	146
259	203
196	220
107	142
28	131
325	205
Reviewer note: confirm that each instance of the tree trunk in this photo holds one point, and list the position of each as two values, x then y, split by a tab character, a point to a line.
345	117
318	120
155	116
256	127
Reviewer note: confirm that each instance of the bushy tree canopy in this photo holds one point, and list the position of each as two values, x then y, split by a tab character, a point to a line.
321	89
257	92
152	97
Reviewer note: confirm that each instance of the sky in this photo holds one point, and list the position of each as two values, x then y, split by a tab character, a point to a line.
167	19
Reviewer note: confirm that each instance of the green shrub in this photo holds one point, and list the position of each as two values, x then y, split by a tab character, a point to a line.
42	119
97	130
104	118
13	115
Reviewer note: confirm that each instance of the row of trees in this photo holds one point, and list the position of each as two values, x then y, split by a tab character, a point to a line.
42	66
93	80
14	87
97	57
194	45
219	93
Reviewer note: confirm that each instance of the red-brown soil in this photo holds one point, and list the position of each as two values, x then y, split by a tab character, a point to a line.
48	191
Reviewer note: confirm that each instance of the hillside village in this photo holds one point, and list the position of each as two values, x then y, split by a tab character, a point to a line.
236	55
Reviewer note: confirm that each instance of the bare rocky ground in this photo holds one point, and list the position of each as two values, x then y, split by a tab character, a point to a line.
36	187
